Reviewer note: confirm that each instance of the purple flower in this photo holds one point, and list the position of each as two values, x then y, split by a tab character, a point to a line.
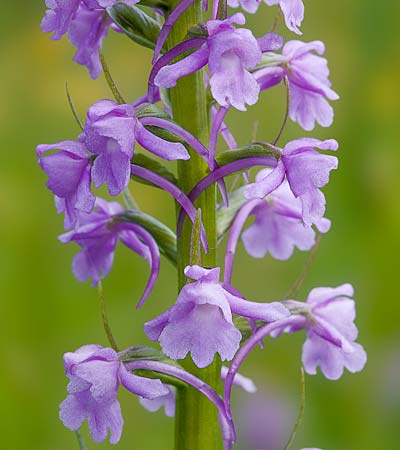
293	10
87	25
58	16
95	374
328	316
166	401
308	81
306	171
110	132
68	174
87	31
102	154
229	52
201	320
98	234
278	227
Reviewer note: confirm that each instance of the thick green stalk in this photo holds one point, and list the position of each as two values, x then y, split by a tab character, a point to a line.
197	425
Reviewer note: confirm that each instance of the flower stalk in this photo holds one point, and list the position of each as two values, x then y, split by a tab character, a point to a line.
199	429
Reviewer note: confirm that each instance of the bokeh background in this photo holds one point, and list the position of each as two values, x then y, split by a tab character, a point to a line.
45	312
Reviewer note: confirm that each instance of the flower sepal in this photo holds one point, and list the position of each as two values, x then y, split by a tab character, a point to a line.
135	23
248	151
138	352
143	353
198	31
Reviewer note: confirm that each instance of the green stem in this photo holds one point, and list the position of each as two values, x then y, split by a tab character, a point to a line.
104	316
196	425
81	442
300	414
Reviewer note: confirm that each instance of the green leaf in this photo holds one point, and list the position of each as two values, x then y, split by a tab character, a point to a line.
72	106
249	151
151	164
135	23
157	4
165	238
110	81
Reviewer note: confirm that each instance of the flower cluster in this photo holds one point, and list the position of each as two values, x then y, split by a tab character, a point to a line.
210	320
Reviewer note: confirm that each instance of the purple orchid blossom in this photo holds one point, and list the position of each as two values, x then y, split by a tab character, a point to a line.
95	374
168	401
306	171
308	77
293	10
87	25
69	177
278	227
58	17
103	155
328	318
110	132
229	52
201	320
87	32
98	234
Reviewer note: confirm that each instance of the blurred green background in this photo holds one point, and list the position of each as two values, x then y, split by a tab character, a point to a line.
45	312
